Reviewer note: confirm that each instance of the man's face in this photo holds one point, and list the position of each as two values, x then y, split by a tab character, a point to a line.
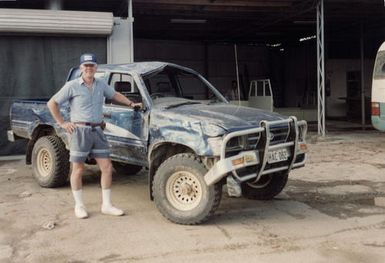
88	70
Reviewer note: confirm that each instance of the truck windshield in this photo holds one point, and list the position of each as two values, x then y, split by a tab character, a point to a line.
175	82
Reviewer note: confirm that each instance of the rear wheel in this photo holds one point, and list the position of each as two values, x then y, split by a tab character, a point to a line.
50	162
266	188
180	192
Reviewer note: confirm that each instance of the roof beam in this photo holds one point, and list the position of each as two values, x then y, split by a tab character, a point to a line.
244	3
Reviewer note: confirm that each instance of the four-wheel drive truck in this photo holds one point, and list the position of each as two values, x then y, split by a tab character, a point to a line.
187	135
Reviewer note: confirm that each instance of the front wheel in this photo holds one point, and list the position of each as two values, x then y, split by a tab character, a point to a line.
180	192
50	162
266	188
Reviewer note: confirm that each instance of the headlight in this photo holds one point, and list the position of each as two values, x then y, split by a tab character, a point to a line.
212	130
215	145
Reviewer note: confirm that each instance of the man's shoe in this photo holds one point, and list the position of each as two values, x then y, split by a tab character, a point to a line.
80	211
112	210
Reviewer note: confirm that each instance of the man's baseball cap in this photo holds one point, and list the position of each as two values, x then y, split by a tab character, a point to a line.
88	59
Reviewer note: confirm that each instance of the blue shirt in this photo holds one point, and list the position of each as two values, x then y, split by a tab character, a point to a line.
86	104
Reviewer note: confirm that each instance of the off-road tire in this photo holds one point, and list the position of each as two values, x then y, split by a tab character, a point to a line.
50	162
268	187
180	192
126	169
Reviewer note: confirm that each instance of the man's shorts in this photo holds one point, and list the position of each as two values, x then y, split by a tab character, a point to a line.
88	141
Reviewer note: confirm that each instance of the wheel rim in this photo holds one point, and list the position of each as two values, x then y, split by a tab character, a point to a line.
263	182
184	190
44	162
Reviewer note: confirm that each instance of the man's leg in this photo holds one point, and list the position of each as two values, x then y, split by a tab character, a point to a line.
76	176
76	186
105	166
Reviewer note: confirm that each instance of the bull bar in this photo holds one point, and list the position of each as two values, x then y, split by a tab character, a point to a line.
253	157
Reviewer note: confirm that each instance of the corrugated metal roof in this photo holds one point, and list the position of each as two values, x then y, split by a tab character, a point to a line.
55	21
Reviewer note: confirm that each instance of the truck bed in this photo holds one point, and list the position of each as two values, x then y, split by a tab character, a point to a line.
26	114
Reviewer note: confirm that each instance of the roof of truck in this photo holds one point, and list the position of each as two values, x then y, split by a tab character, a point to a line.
140	67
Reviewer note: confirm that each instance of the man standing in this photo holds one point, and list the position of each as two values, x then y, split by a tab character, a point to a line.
86	138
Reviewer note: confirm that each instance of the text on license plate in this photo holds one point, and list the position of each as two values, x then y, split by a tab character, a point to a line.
278	156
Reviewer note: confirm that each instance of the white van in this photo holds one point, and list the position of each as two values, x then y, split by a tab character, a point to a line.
378	90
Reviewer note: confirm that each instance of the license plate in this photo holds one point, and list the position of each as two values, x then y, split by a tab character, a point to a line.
278	156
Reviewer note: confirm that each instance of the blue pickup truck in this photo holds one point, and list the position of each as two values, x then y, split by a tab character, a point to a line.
191	140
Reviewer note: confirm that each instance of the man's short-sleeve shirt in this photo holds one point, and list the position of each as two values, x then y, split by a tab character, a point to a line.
86	104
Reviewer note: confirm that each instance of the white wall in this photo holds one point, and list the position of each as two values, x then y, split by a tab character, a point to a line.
336	72
119	42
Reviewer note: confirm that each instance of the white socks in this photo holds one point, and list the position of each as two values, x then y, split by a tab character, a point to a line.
106	197
107	207
80	210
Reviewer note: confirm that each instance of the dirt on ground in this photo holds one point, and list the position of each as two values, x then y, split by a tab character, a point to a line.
332	210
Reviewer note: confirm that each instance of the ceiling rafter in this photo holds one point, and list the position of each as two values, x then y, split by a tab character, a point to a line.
231	20
221	3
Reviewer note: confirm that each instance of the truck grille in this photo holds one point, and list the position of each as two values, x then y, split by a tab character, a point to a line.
252	141
279	134
240	143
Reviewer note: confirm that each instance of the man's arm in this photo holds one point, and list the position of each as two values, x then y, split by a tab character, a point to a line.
119	97
55	111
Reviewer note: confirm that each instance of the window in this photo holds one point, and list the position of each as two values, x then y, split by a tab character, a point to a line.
162	83
175	82
125	84
192	87
120	77
379	66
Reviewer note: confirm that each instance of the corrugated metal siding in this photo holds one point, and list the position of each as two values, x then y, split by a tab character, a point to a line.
55	21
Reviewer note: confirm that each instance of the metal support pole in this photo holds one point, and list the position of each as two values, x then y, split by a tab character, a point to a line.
320	68
237	72
131	20
55	5
362	79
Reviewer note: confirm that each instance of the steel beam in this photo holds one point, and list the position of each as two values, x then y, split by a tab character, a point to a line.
320	68
362	44
131	19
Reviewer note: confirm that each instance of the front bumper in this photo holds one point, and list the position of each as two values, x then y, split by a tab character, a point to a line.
259	157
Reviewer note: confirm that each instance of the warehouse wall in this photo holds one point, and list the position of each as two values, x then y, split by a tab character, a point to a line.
36	67
300	76
214	61
336	73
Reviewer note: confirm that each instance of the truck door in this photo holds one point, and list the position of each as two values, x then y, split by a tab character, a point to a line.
261	95
125	127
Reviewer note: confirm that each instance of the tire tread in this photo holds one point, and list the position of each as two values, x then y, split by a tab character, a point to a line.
217	191
61	159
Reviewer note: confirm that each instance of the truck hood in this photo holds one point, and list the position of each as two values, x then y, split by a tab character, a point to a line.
227	116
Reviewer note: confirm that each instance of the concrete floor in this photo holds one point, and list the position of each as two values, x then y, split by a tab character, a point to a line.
330	211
